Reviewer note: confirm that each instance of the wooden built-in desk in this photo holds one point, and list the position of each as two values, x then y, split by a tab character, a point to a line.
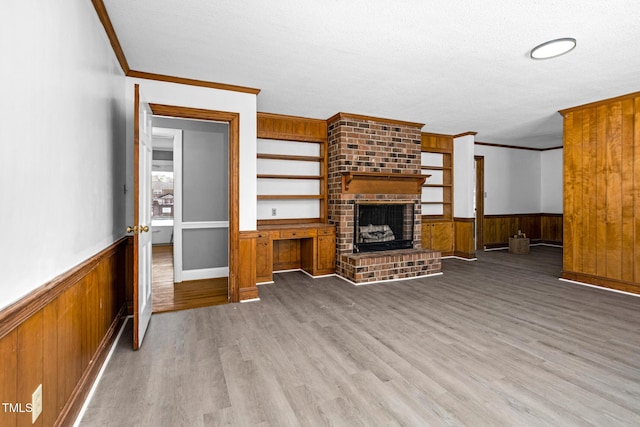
309	247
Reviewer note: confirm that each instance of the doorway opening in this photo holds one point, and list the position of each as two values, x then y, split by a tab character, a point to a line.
191	195
479	202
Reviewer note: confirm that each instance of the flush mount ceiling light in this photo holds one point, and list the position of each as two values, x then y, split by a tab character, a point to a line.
553	48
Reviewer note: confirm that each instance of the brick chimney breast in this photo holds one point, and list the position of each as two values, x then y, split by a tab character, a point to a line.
367	144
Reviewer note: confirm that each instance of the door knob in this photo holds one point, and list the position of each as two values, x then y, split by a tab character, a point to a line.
144	228
133	229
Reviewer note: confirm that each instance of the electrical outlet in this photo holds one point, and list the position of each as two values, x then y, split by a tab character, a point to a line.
274	211
36	404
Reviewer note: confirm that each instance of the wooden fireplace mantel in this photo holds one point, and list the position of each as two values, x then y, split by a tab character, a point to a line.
382	183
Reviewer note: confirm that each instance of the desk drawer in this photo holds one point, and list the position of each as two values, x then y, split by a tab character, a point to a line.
297	233
264	235
326	231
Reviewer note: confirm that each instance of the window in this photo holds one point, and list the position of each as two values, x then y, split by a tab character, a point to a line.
162	201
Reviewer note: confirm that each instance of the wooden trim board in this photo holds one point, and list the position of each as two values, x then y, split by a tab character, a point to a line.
347	116
291	128
15	314
105	20
101	10
191	82
234	179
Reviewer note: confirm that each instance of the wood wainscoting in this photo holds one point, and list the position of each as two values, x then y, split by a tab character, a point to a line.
551	229
464	243
247	271
59	335
539	227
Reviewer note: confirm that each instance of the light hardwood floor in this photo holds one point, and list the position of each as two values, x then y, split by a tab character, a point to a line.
170	296
500	341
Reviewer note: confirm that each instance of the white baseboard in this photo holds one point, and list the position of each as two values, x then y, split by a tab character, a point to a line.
603	288
250	300
205	273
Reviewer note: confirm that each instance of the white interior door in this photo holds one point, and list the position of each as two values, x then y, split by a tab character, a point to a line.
142	248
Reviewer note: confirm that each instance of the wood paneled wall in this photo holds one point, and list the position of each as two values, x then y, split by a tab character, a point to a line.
247	271
59	335
539	227
291	128
602	193
464	241
551	228
436	143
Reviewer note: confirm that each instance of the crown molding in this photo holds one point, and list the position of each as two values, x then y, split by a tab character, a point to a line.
437	135
465	134
346	116
191	82
101	10
514	147
598	103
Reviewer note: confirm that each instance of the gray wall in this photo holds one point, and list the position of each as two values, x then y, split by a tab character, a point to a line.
205	176
205	190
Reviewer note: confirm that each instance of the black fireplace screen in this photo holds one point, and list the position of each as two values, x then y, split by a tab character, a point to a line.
383	227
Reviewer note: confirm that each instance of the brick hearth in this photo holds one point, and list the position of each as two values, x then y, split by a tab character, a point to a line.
388	265
366	144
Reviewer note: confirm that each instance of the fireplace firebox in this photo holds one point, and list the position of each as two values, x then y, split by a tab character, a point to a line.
383	227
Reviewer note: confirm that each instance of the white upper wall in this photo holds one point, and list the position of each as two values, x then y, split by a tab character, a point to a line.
551	180
521	181
62	154
245	104
512	180
464	178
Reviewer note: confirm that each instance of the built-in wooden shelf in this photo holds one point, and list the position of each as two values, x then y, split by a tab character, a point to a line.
382	183
272	176
435	168
290	196
441	145
288	157
311	134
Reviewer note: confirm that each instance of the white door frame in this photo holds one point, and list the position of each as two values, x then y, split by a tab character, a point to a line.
176	134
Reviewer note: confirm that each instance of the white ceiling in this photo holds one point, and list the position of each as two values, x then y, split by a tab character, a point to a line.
455	65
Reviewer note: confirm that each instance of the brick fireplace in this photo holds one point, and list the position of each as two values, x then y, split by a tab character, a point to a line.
376	162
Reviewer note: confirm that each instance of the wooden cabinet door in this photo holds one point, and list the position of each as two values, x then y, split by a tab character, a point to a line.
426	235
439	236
326	254
264	259
442	237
